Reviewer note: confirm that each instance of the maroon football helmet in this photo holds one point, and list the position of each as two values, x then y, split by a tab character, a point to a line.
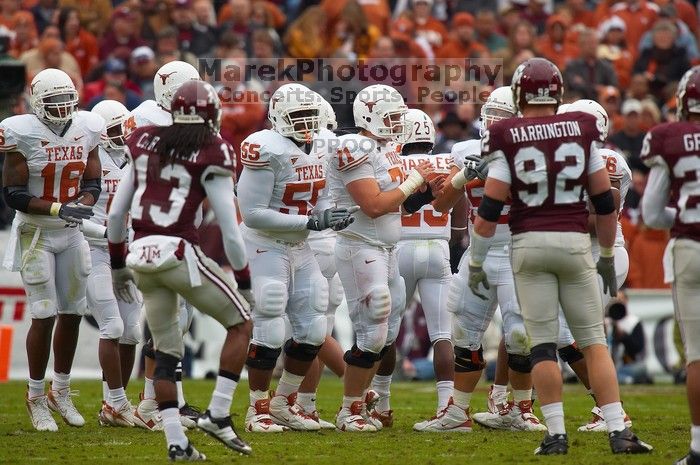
688	93
196	102
537	81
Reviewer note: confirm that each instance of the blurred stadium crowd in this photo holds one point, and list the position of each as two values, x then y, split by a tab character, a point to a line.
628	55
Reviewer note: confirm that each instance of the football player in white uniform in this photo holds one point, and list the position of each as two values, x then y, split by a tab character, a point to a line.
51	177
322	244
167	80
367	171
277	195
424	264
473	313
118	320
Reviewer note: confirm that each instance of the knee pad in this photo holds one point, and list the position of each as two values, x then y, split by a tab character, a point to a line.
271	298
269	331
261	357
455	294
42	309
469	360
166	365
318	297
360	358
379	303
519	363
186	315
384	351
112	328
335	294
148	350
543	353
517	340
37	267
302	352
570	354
316	331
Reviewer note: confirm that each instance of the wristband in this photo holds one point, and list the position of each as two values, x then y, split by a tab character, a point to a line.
55	208
458	180
607	252
478	248
412	182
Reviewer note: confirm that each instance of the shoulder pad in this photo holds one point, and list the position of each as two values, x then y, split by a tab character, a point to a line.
353	150
259	148
464	148
92	121
14	130
652	147
615	164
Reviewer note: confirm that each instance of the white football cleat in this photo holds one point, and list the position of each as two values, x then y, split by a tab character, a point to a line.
598	424
257	419
368	408
61	403
39	413
524	419
322	423
123	416
285	411
147	415
451	419
351	419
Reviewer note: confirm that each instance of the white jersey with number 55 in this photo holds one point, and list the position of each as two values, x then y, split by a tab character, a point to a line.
360	157
56	161
426	223
279	185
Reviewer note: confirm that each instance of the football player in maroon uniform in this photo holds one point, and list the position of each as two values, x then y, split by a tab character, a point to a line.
544	162
672	200
174	169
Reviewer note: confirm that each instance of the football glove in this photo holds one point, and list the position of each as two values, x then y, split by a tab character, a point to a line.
75	212
123	284
475	167
334	218
477	276
606	270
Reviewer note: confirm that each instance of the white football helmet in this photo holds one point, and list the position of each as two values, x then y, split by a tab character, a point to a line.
592	108
169	77
499	105
328	116
421	128
117	126
295	112
380	110
53	97
563	108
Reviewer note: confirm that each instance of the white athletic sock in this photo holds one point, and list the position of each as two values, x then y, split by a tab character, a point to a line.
444	392
612	413
695	438
117	397
554	417
307	401
521	395
149	390
105	390
220	403
499	392
256	396
36	387
462	399
178	383
348	401
173	427
289	383
382	385
60	381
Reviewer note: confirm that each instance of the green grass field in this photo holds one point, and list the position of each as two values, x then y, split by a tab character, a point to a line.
659	414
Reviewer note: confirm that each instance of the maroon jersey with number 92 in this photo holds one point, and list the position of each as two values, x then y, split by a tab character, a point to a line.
167	197
677	146
548	157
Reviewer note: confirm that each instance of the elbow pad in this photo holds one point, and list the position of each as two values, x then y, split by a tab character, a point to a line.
604	203
17	197
415	201
490	209
91	186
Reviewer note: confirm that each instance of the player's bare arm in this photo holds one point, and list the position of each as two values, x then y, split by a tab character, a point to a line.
375	203
449	196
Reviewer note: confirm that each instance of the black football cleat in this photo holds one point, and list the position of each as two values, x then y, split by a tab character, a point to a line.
190	412
692	458
222	430
188	454
625	442
554	444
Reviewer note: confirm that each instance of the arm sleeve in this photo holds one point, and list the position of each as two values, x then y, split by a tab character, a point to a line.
119	211
499	169
655	212
254	194
93	229
220	194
